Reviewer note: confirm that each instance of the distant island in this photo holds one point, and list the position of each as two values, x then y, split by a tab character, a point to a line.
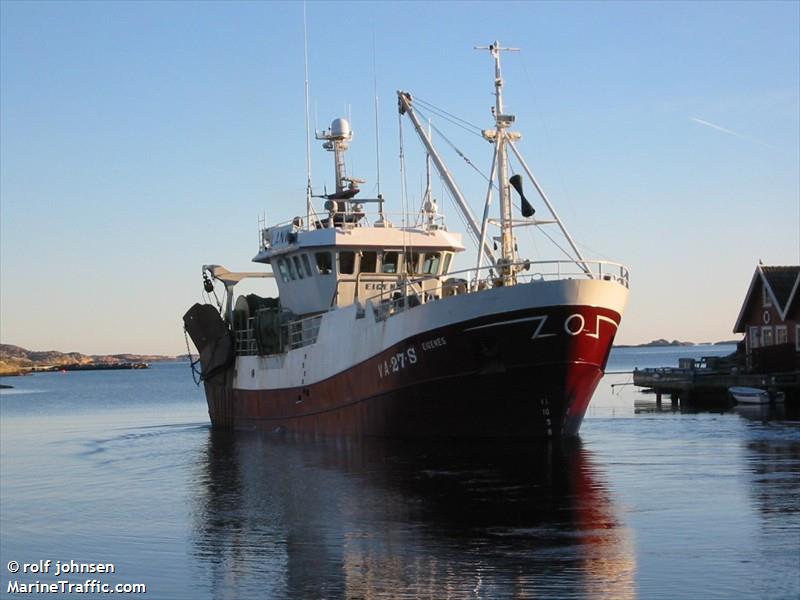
661	342
15	360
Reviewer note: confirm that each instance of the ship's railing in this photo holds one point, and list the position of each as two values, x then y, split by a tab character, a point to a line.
294	334
417	220
302	332
368	218
245	339
409	293
350	220
549	270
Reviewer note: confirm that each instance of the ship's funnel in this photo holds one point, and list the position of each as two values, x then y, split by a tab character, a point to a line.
516	183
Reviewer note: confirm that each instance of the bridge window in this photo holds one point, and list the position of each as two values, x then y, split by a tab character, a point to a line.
324	263
347	262
284	272
298	266
369	262
292	270
390	260
412	262
448	256
431	264
307	265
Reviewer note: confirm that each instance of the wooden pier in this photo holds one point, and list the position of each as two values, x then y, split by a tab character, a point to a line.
707	381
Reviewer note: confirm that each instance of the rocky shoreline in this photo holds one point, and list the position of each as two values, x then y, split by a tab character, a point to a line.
660	343
15	360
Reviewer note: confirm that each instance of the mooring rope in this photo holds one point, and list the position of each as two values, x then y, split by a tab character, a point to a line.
197	374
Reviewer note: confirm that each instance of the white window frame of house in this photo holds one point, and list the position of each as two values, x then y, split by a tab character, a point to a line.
767	336
784	333
754	337
767	297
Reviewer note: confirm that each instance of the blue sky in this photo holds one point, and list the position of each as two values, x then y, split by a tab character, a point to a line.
141	140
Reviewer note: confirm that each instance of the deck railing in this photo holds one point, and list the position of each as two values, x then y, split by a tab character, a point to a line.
409	292
294	334
351	220
245	339
302	332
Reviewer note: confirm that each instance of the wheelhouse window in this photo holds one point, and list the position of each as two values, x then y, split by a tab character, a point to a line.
307	265
283	270
347	262
324	263
369	262
412	262
390	262
448	256
298	267
292	269
431	264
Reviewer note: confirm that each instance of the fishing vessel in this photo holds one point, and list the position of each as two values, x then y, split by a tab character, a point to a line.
377	332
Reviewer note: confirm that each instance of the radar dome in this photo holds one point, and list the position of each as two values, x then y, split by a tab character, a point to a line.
341	128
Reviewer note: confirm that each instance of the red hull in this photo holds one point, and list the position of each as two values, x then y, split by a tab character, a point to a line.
512	375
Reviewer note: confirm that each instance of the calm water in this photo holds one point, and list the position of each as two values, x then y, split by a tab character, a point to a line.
122	467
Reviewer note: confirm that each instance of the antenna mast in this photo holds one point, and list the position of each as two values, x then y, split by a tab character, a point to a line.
309	206
500	136
377	133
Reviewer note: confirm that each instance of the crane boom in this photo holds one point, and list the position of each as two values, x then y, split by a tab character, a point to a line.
405	107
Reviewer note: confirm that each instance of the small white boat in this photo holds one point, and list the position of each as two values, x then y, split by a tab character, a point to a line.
748	395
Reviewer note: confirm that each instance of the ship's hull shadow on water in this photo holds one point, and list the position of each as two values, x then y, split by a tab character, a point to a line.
378	518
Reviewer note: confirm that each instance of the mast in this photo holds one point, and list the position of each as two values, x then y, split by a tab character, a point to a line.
503	138
337	139
309	202
500	136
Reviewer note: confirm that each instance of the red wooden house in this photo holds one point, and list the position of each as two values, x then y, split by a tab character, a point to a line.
770	319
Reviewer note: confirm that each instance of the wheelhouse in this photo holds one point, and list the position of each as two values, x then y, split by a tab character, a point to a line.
320	269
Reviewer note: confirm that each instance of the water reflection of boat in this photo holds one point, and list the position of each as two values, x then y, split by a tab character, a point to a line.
761	412
771	460
385	519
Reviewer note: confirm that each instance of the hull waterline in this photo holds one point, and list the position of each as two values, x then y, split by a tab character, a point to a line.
509	375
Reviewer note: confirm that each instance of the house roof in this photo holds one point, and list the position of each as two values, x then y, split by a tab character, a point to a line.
781	283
